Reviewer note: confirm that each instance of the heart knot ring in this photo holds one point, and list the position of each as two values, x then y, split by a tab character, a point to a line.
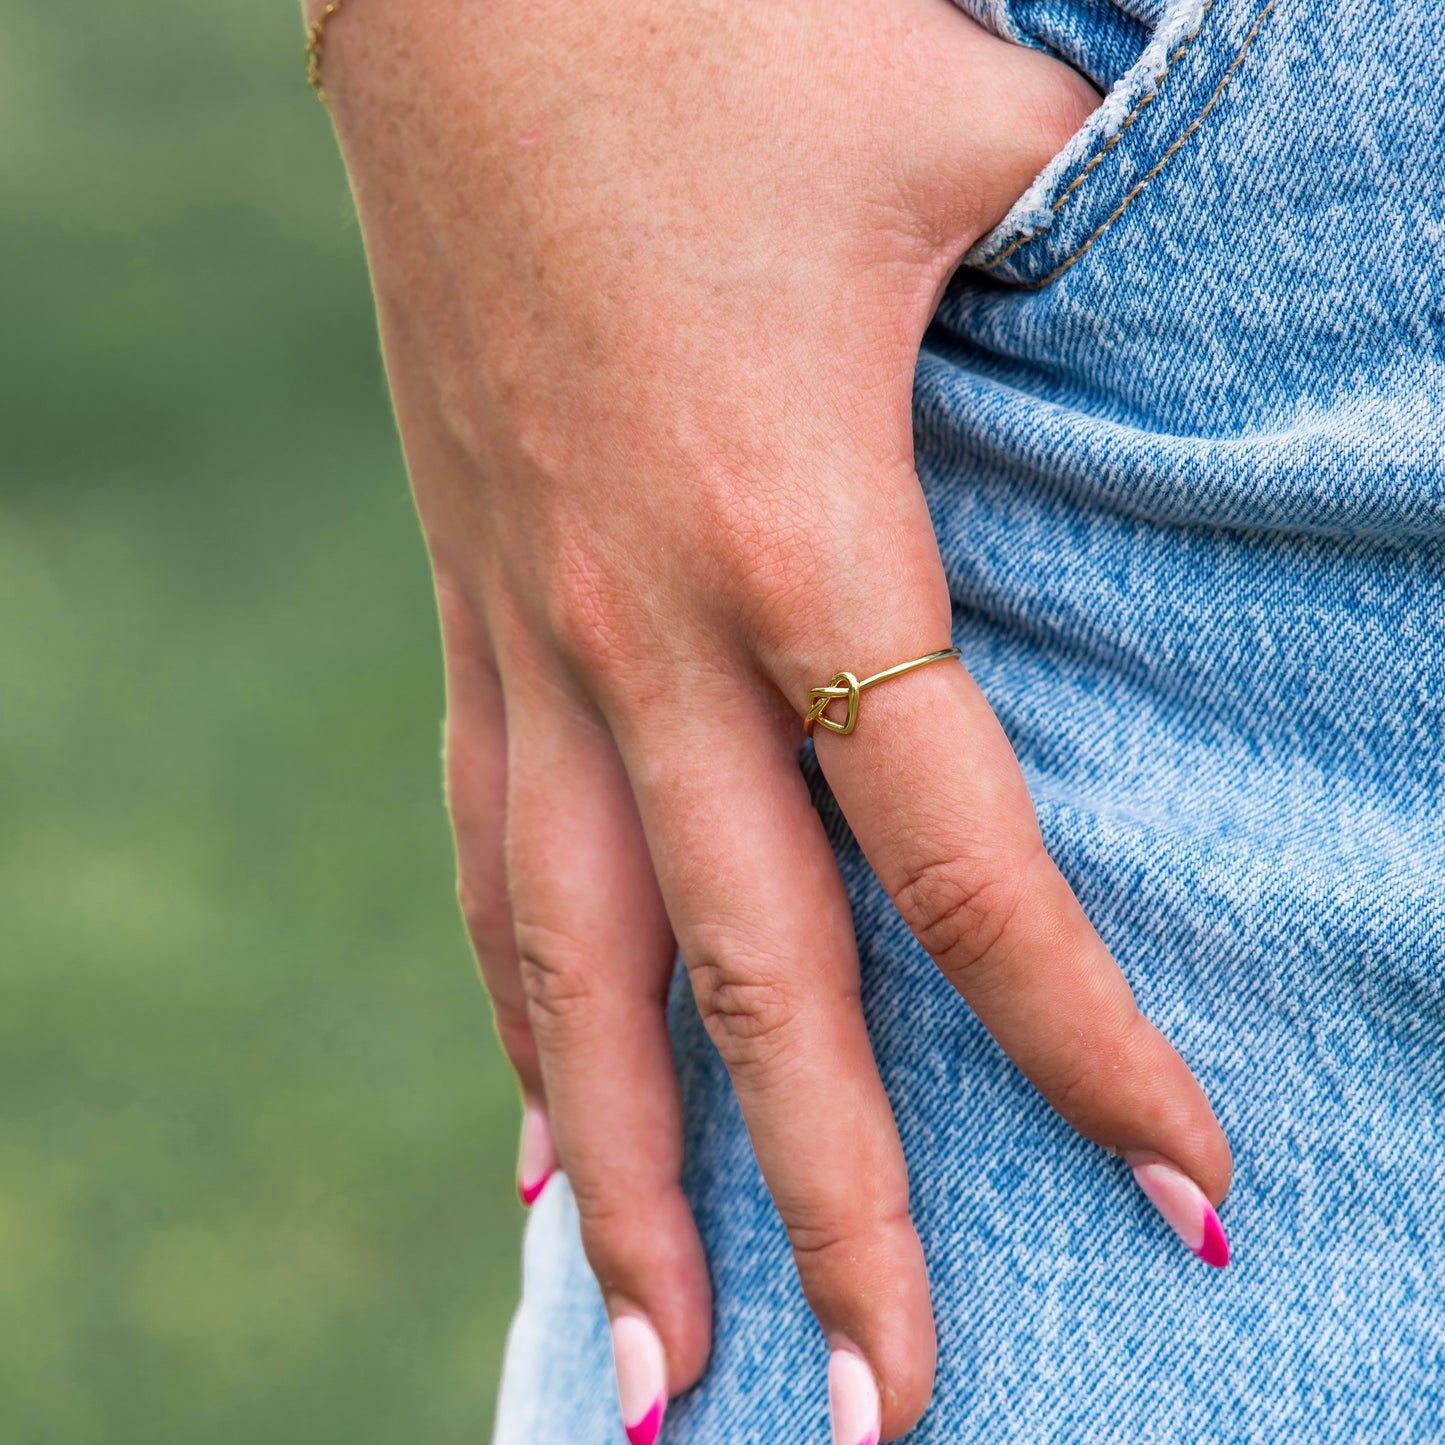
845	688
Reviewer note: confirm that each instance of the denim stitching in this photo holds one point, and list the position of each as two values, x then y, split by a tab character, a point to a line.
1159	164
1128	120
1107	146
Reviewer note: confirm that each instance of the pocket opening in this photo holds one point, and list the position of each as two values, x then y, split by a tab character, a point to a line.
1151	113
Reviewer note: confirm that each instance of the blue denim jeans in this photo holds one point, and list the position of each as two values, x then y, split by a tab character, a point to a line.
1181	422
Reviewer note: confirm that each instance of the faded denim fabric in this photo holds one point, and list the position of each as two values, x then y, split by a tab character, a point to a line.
1181	422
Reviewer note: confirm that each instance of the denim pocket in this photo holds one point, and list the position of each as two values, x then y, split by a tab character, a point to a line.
1156	110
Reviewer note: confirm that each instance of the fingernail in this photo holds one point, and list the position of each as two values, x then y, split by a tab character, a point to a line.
641	1377
1185	1209
537	1159
852	1399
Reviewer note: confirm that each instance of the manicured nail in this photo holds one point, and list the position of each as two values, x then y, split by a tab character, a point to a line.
852	1399
1185	1209
537	1159
641	1377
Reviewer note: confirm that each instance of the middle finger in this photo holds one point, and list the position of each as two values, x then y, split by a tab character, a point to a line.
763	922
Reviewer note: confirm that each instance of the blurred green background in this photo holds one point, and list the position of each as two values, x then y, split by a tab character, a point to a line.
255	1133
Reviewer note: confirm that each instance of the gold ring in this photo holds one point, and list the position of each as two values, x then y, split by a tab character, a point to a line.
845	688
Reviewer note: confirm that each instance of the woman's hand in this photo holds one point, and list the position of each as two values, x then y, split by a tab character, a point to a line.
652	280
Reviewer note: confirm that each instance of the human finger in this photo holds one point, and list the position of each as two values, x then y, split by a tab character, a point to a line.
475	759
763	922
596	955
938	803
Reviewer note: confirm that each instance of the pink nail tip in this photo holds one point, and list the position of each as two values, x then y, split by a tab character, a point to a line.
529	1194
1185	1209
537	1159
645	1431
641	1366
1215	1247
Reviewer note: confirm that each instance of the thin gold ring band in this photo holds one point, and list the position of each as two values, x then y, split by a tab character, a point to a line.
845	688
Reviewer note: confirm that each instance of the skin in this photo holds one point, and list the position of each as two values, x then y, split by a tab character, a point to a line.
651	282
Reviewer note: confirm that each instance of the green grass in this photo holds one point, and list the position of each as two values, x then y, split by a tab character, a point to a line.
256	1134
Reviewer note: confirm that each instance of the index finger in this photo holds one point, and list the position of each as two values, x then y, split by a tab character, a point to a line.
934	795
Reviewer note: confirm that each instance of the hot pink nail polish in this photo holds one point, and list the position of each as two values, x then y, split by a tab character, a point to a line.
641	1368
1185	1209
852	1399
537	1159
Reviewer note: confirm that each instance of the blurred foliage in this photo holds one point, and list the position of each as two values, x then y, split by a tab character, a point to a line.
256	1136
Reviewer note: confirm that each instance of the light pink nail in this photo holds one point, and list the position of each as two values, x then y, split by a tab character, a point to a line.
537	1159
641	1370
1185	1209
852	1399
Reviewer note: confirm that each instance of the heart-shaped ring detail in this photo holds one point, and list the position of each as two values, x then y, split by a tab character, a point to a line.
843	686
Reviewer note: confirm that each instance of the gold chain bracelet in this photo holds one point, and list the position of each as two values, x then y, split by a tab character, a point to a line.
315	34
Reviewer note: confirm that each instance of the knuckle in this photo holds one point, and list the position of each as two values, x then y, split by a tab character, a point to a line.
764	551
588	612
558	980
816	1245
961	912
833	1254
581	620
603	1216
748	1014
1071	1089
780	583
